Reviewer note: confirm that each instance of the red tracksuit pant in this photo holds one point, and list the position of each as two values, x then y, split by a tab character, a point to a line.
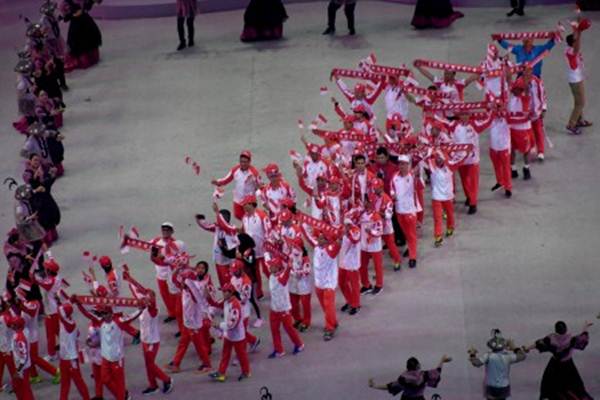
283	318
364	268
153	371
438	219
198	338
113	376
22	386
301	308
242	355
6	360
390	242
98	384
349	282
51	324
36	360
250	338
469	176
167	297
539	134
408	224
223	274
501	162
420	190
69	371
178	310
327	300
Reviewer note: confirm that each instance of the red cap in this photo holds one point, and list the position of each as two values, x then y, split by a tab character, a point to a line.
360	87
285	215
228	287
287	202
236	265
17	322
51	265
519	84
102	291
313	148
349	118
271	169
105	261
359	108
247	154
249	199
377	184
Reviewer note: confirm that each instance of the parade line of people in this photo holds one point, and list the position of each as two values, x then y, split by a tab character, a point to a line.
365	193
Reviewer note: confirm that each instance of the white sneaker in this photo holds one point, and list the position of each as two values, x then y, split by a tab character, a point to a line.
258	323
50	358
540	156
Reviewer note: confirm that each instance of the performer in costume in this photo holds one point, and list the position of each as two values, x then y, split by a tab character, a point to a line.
497	364
84	38
263	20
561	378
434	14
413	382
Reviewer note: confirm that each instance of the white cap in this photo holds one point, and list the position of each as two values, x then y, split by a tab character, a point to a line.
403	158
167	224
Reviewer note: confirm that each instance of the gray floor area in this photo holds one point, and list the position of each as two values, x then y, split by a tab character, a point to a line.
519	264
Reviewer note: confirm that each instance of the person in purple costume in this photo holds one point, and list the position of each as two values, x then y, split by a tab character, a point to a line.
561	380
413	382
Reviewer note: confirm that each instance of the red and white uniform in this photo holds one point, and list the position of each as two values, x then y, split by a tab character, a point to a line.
371	230
69	358
196	317
456	89
258	226
22	361
234	336
280	310
360	186
170	248
325	268
369	99
312	169
395	102
273	195
575	68
349	276
538	106
300	275
50	286
245	182
223	231
442	196
521	132
402	191
150	338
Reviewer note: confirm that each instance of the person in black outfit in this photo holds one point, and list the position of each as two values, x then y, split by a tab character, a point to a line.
518	7
334	5
263	20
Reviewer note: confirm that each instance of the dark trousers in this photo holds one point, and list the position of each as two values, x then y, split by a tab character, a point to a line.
348	10
189	21
518	4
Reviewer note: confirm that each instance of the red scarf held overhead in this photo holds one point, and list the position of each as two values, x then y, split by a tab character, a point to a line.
110	301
